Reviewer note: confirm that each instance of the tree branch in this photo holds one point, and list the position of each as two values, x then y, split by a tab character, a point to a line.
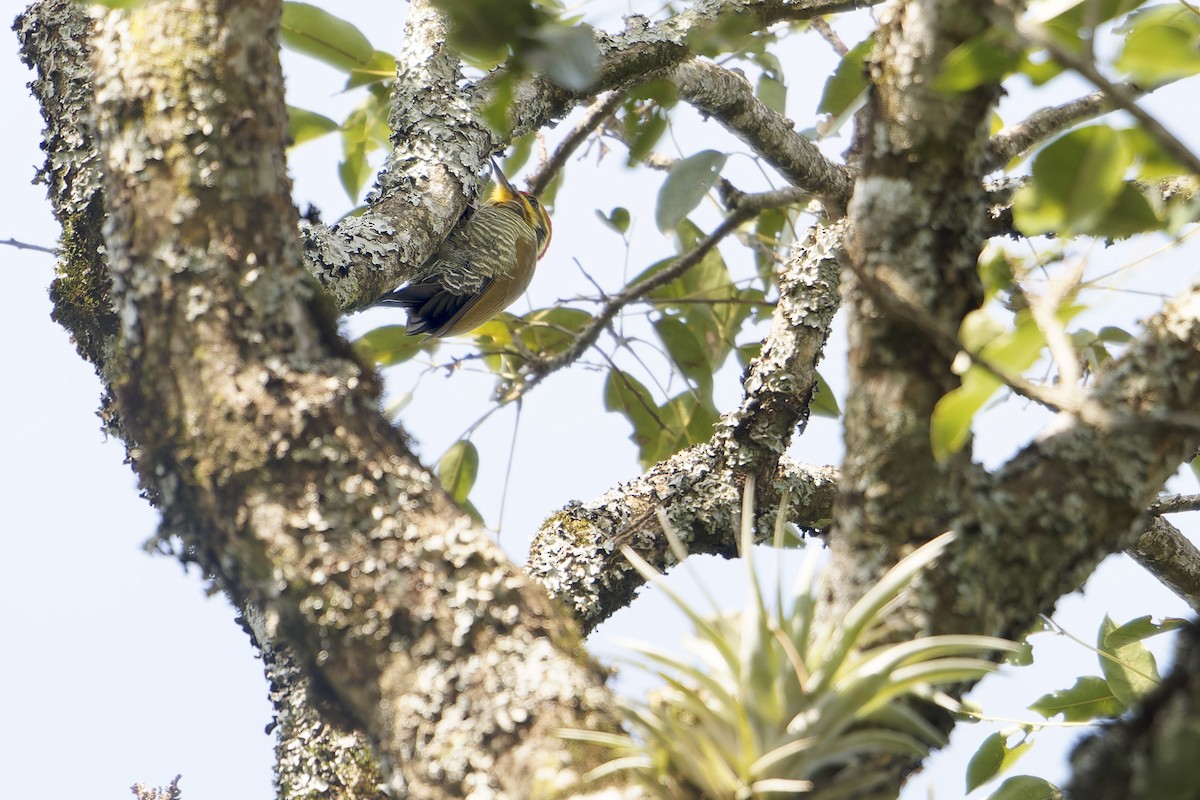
1078	493
574	555
1121	96
728	98
438	122
1175	504
266	452
597	114
917	222
1041	125
1171	557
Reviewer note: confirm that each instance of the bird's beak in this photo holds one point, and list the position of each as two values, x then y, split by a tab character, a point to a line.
501	179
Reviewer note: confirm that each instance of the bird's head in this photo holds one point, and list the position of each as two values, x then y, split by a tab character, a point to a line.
532	208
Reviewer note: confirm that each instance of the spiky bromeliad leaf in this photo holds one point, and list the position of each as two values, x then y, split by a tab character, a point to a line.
773	697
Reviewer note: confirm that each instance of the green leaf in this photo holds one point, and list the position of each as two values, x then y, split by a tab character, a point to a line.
768	231
1085	15
618	219
644	126
317	33
1090	698
1129	667
1040	69
389	345
623	394
1111	333
305	125
823	403
1141	628
1130	213
1151	161
551	330
1076	180
950	425
496	112
688	420
979	60
747	353
848	81
458	468
484	29
986	762
353	170
1162	43
381	67
566	55
687	352
1026	787
993	757
1022	657
772	92
119	4
1014	351
995	271
363	131
686	184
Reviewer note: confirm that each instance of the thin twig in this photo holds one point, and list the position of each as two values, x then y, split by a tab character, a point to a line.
27	246
826	32
537	370
1045	313
593	118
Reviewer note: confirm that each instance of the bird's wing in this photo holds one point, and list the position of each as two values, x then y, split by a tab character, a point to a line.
431	308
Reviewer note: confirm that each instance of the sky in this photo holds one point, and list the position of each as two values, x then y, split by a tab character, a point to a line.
120	663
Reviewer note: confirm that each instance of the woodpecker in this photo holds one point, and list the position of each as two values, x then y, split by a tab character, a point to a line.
483	266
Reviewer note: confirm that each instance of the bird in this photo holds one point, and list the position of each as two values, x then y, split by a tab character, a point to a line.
484	265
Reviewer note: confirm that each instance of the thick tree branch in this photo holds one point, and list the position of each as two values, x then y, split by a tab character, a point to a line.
265	450
917	222
438	122
441	148
575	554
55	39
1169	556
728	98
1080	491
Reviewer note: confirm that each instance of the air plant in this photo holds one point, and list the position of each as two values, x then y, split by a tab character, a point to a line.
775	698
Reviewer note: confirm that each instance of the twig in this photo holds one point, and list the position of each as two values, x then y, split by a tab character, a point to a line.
27	246
826	32
1063	398
593	118
539	369
1045	313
